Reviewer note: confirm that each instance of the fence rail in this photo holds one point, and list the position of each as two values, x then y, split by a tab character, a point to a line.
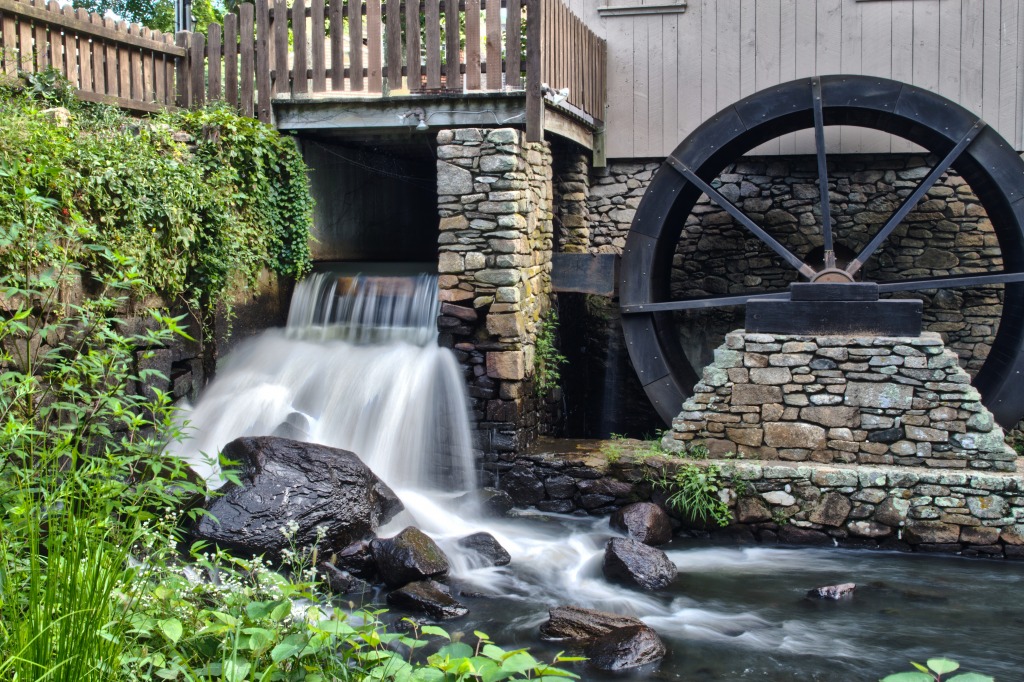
363	47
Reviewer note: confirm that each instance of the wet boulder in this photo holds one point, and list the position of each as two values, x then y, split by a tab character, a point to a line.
645	522
835	592
409	556
487	501
358	560
487	548
634	563
578	625
295	494
429	597
340	581
625	648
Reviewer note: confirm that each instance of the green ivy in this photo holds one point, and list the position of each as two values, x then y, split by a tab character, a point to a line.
547	361
202	201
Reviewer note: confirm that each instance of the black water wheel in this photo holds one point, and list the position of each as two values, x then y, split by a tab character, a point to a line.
952	134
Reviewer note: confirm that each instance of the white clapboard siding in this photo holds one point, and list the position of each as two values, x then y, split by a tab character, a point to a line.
670	72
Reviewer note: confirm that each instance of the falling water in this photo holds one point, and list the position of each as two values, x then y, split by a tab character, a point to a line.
358	367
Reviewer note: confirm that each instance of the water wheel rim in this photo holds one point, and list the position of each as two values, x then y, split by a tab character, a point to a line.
987	162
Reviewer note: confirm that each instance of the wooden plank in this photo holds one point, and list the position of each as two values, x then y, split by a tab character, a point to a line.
25	48
197	86
829	36
972	52
124	64
300	62
513	53
851	138
9	44
767	65
335	14
85	65
135	67
642	88
393	27
748	47
148	66
689	81
1020	82
280	51
1007	121
493	45
453	53
374	47
111	60
990	61
902	56
69	48
214	62
432	23
806	64
42	47
728	77
787	59
534	102
355	47
949	48
472	45
183	98
876	59
169	69
159	73
318	35
655	78
231	59
413	56
121	102
247	81
99	81
926	45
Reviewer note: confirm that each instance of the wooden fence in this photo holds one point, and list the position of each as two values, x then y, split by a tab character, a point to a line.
268	49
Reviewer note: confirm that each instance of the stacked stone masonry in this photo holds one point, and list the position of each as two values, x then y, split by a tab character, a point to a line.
841	399
495	244
948	233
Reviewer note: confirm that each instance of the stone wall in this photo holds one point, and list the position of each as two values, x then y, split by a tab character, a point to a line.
947	233
495	244
866	400
572	192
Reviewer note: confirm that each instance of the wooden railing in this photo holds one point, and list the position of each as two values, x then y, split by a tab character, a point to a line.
269	49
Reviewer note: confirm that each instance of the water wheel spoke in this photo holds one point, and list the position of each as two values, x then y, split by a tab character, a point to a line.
952	281
741	217
700	303
819	146
911	201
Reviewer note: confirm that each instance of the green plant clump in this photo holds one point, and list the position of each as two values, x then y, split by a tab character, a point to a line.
934	671
200	201
694	491
547	361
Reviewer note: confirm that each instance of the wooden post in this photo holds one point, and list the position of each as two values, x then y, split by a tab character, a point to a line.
373	47
70	48
98	57
135	67
280	39
213	61
168	73
124	64
355	44
513	49
534	98
263	40
319	36
299	83
24	45
85	52
433	43
148	70
197	86
247	62
9	47
41	47
493	45
472	44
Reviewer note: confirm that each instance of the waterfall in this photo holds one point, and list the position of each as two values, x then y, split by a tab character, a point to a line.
357	367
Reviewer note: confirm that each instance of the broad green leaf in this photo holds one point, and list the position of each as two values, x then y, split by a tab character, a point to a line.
943	665
289	647
519	662
428	675
971	677
434	630
908	677
258	610
281	610
172	629
456	650
235	669
336	627
493	652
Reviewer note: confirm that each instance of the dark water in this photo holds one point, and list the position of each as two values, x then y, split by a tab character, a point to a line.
741	613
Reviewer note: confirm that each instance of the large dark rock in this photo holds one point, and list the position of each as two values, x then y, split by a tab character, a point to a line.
624	648
407	557
303	486
634	563
579	625
835	592
340	581
524	487
488	501
645	522
358	560
429	597
487	548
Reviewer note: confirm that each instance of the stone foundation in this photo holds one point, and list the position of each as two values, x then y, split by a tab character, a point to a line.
841	399
495	244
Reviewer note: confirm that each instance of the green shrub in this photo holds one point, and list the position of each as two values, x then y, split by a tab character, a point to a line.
934	671
694	492
547	361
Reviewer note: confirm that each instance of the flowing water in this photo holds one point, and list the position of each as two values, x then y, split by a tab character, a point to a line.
358	367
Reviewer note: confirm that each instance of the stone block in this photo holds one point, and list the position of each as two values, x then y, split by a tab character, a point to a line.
453	180
779	498
987	507
979	535
770	376
831	509
506	365
750	394
794	435
925	434
498	163
879	395
742	436
510	325
450	262
868	529
932	532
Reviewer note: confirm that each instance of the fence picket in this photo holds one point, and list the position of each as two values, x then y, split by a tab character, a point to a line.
9	44
213	57
149	69
197	86
25	49
41	40
134	66
247	61
393	27
373	47
432	15
299	83
318	33
472	44
263	42
69	47
280	51
231	59
513	53
85	54
355	44
493	45
412	46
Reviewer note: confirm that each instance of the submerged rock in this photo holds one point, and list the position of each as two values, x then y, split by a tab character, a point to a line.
833	591
295	494
358	560
429	597
489	501
645	522
634	563
487	548
579	625
340	581
409	556
624	648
